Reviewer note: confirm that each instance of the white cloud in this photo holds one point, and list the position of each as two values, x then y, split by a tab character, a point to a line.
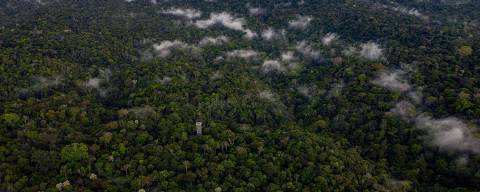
407	11
227	21
267	94
405	109
305	90
392	80
96	82
448	134
271	34
187	13
329	38
44	82
336	89
245	54
93	83
272	65
416	96
301	22
307	50
216	75
143	112
255	11
371	51
213	40
350	51
165	48
288	56
165	80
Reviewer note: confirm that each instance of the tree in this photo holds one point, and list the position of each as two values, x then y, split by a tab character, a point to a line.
10	118
74	152
465	51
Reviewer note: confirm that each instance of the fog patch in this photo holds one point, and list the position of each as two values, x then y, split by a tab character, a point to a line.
165	80
350	51
187	13
329	38
256	11
272	66
371	51
216	75
416	96
336	90
392	80
267	94
165	48
41	83
405	109
305	91
462	161
206	41
96	83
448	134
226	20
409	11
301	22
244	54
307	50
271	34
288	56
142	112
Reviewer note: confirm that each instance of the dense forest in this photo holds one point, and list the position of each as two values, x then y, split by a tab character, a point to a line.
239	95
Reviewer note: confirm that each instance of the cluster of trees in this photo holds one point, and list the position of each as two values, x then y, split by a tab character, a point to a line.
83	110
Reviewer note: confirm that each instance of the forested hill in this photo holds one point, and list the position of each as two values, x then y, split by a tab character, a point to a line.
239	95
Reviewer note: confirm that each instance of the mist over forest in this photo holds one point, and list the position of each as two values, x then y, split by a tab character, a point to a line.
240	95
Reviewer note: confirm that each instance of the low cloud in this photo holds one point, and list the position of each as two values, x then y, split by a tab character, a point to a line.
45	82
165	48
307	50
272	66
301	22
416	96
405	109
306	91
93	83
244	54
408	11
268	95
392	80
329	38
255	11
288	56
165	80
216	75
96	83
336	90
143	112
371	51
271	34
226	20
206	41
448	134
187	13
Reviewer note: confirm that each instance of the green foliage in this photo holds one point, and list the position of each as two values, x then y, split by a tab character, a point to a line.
465	51
85	72
10	118
74	152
